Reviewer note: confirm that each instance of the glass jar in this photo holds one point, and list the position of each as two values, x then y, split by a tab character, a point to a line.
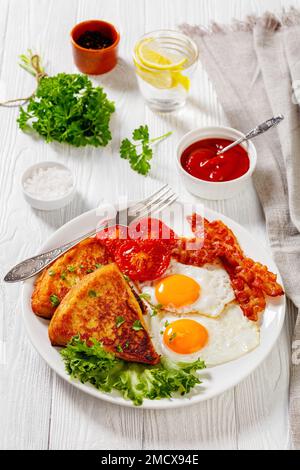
164	62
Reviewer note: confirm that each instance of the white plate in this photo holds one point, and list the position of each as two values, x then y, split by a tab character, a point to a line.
215	380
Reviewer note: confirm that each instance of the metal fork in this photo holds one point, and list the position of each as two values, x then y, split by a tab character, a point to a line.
157	201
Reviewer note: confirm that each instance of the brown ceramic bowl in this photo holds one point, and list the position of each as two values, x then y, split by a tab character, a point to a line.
95	61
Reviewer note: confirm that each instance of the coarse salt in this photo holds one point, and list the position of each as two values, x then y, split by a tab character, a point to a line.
49	183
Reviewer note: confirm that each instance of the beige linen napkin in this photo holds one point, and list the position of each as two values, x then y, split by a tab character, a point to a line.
253	66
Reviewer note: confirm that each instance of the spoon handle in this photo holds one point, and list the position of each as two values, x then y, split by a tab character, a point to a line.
265	126
260	129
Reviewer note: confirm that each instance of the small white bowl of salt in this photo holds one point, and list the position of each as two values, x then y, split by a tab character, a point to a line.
48	186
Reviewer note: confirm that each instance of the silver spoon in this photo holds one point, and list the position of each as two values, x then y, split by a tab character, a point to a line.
265	126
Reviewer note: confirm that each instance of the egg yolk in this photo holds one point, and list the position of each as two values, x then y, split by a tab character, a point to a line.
177	290
185	336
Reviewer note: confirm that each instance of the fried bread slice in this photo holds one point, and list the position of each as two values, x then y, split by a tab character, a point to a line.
103	306
56	281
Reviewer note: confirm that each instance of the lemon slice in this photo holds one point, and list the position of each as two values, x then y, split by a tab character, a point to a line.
148	52
179	79
162	80
166	69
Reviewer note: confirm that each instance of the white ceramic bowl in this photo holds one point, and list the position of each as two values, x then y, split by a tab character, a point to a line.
210	189
47	204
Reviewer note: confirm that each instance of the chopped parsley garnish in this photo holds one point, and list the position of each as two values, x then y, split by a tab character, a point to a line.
172	337
89	271
81	266
119	348
63	276
126	345
155	309
98	265
51	272
167	323
92	293
145	296
71	269
54	300
137	326
127	278
119	321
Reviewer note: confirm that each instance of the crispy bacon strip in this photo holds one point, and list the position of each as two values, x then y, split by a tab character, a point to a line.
251	299
258	276
250	280
186	253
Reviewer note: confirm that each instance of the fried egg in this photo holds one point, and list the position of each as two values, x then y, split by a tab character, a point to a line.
190	289
214	340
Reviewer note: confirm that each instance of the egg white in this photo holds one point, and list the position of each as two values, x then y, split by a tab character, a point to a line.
215	288
231	335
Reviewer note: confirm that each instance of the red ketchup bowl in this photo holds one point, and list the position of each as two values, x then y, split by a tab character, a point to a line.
209	175
95	46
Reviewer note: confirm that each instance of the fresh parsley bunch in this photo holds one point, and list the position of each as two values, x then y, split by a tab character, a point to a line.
134	381
139	153
67	108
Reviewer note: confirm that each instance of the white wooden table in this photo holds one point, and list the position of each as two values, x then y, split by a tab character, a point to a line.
37	409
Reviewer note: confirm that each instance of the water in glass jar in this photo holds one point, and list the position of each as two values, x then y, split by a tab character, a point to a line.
164	62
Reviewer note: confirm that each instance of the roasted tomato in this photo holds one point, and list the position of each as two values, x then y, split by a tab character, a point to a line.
144	229
151	229
113	236
142	260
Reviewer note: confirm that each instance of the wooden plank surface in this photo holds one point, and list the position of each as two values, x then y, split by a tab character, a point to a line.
38	410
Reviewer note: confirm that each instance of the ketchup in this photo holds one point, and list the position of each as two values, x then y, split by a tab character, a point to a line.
201	160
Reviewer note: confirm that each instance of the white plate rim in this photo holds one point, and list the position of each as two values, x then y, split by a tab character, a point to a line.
164	403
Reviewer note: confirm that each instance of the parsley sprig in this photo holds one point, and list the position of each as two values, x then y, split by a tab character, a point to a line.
140	152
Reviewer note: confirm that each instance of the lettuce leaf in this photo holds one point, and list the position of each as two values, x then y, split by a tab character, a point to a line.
91	363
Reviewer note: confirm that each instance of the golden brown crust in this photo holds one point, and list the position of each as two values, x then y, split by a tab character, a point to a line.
66	272
92	308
